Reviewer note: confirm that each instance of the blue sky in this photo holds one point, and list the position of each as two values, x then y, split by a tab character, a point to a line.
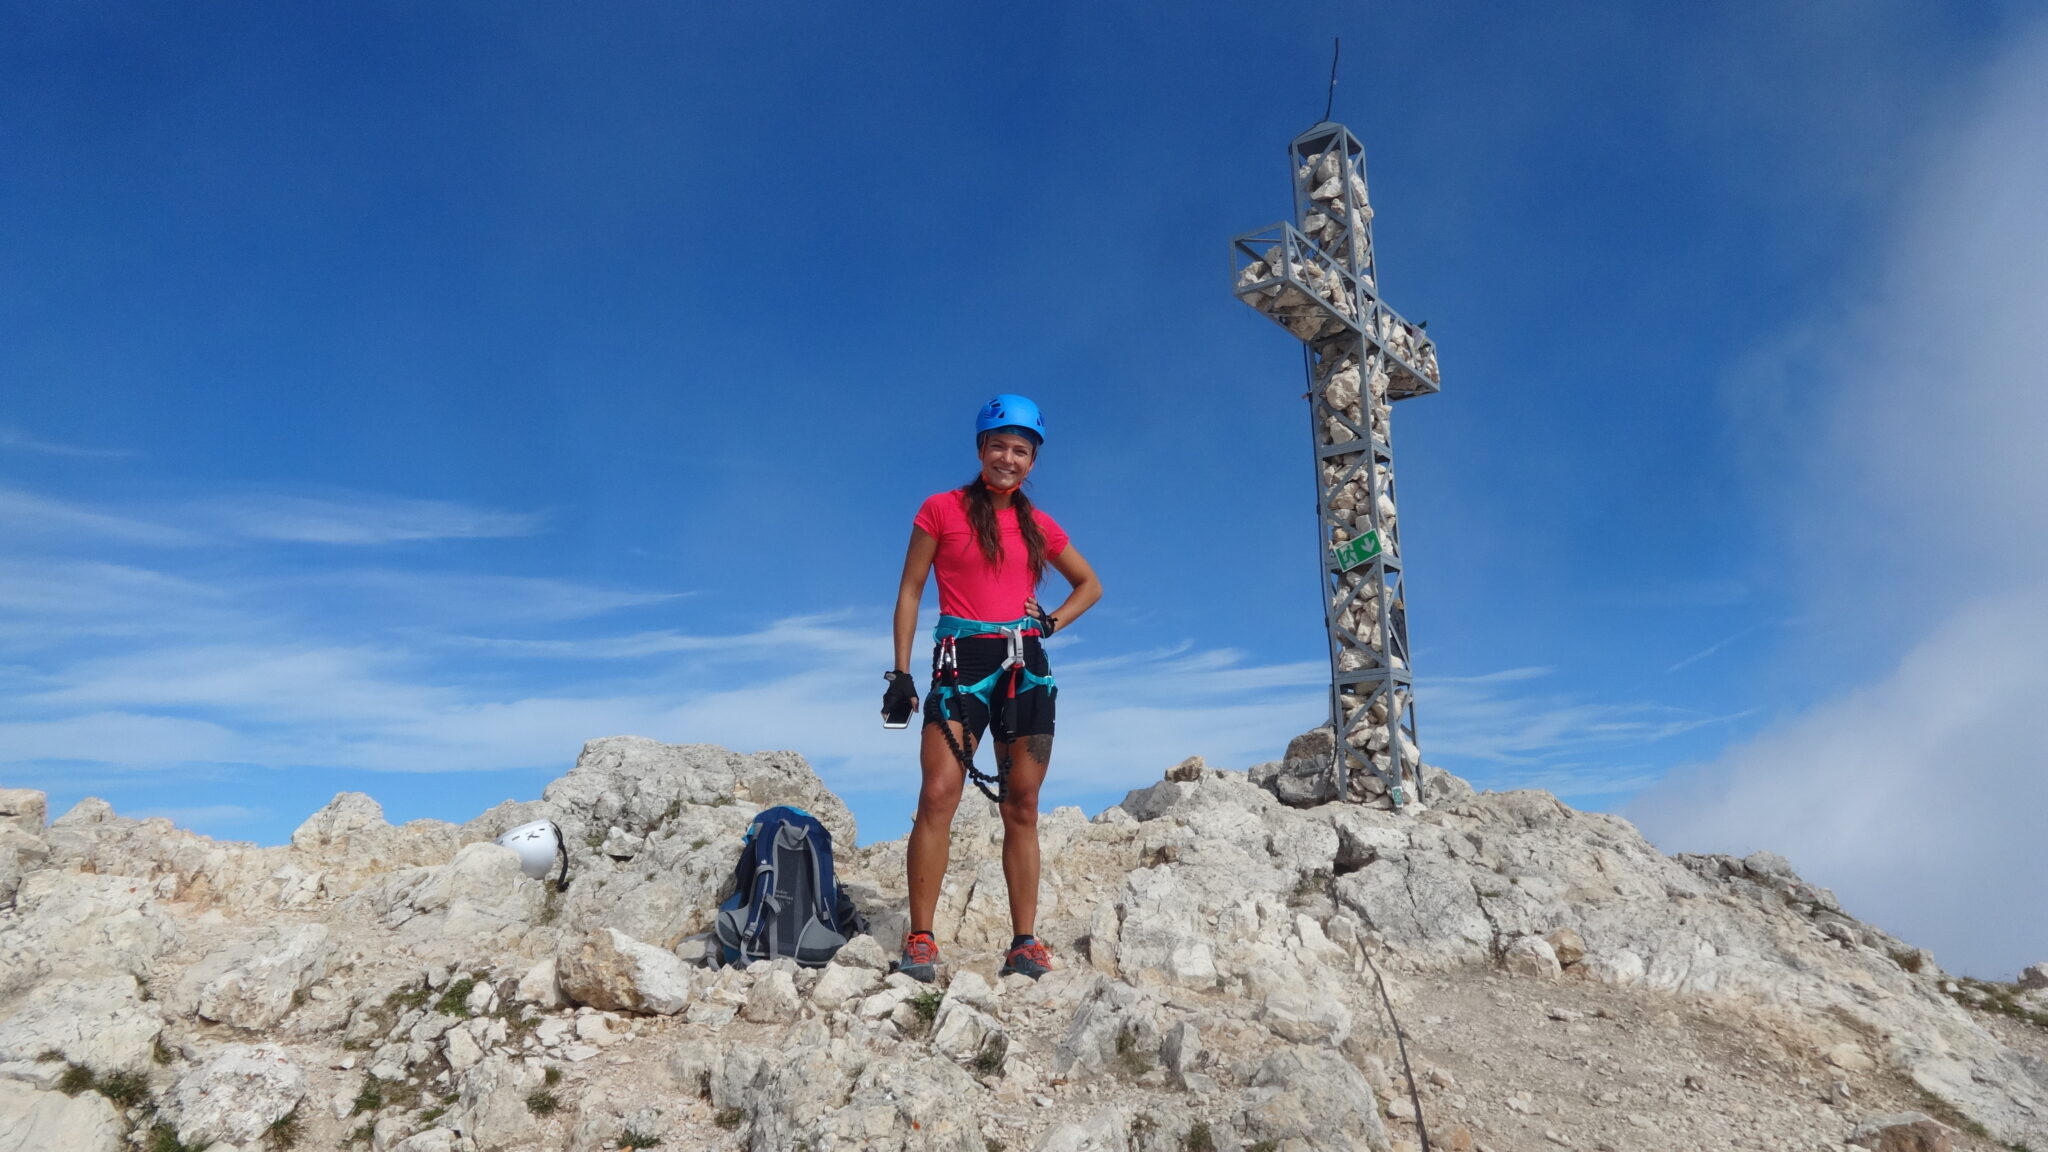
393	397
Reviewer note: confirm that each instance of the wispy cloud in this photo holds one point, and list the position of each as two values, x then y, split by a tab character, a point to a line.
1514	729
116	737
27	512
1710	649
17	440
347	520
363	519
1916	793
212	815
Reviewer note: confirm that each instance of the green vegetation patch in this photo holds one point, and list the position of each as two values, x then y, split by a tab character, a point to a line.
284	1132
1131	1058
76	1078
125	1089
164	1138
455	1001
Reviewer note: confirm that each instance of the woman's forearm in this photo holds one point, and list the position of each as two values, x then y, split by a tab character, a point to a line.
906	626
1081	599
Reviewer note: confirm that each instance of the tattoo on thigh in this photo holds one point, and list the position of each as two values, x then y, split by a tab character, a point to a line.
1040	747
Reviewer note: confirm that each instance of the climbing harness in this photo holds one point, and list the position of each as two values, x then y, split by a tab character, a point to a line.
1008	680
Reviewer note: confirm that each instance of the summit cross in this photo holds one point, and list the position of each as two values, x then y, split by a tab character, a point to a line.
1316	277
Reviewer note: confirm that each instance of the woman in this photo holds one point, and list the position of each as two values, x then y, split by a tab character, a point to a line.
991	548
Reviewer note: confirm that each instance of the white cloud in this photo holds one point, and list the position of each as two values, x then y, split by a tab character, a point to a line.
1916	794
116	737
364	519
93	594
350	519
201	815
19	441
1510	729
1917	797
25	512
445	600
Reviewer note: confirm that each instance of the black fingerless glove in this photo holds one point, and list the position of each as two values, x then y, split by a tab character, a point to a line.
1047	622
899	699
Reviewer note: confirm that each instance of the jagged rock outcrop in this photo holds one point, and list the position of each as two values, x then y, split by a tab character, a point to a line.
42	1121
236	1096
1224	952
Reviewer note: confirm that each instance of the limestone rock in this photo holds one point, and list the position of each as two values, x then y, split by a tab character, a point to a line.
1225	936
1905	1132
539	985
964	1032
1532	956
491	1106
1320	1099
236	1095
1181	1051
480	902
253	985
21	851
610	970
913	1103
461	1050
25	809
2034	976
35	1121
863	951
1306	1016
1113	1023
1569	946
98	1022
83	925
838	983
1297	783
1160	938
348	844
772	1000
1311	744
1105	1130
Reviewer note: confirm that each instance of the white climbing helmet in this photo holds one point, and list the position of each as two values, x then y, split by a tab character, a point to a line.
537	844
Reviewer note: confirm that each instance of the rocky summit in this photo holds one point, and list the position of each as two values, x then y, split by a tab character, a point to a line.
1233	957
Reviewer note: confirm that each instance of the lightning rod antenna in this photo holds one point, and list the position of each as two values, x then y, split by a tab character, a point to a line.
1336	46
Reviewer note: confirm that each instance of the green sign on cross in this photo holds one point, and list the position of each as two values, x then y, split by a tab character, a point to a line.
1356	551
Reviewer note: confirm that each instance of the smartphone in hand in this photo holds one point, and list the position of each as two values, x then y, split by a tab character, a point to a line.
898	703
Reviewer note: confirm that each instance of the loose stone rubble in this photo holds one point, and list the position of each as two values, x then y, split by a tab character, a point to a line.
1560	983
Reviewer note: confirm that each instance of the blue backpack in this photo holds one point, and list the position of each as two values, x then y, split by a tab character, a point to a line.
785	899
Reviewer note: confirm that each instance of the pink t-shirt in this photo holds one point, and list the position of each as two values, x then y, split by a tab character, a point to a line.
968	586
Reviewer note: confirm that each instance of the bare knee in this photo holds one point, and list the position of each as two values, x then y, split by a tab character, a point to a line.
1020	813
938	802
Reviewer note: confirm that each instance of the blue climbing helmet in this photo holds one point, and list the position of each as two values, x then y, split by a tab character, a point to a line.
1010	411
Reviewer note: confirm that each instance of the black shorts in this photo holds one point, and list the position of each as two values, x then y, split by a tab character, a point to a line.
1029	714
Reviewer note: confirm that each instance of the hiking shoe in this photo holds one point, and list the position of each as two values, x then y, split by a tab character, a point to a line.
920	957
1027	959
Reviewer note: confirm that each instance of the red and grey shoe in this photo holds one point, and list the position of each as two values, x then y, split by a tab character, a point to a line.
920	957
1031	958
